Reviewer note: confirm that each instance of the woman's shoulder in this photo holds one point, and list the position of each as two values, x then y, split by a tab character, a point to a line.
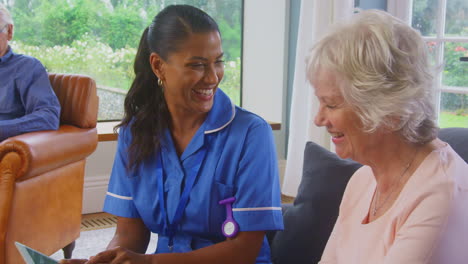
444	166
246	118
124	131
434	184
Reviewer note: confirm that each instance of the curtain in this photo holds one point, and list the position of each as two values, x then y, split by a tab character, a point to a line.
315	17
400	9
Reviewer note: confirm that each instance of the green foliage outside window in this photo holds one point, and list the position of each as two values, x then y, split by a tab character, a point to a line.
455	74
454	106
455	71
99	38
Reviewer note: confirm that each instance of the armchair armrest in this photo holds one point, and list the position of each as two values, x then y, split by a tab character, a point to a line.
46	150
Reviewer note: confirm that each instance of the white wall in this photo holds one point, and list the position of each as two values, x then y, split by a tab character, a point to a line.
263	88
97	174
264	57
265	61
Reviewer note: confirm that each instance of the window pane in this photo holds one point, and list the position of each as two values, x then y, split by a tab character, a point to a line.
99	39
432	49
455	71
453	110
454	106
456	23
425	16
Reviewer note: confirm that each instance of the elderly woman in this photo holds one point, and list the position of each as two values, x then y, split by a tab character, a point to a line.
409	203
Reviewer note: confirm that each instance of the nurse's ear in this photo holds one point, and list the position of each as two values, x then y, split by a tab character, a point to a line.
157	65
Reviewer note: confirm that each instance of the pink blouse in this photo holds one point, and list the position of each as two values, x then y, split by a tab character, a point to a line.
428	223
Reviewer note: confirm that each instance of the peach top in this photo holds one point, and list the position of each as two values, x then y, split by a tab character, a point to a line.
428	222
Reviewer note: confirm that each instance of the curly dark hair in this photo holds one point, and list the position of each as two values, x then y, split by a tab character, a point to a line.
146	110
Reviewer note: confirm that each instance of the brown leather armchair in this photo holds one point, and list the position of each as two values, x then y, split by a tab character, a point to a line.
42	174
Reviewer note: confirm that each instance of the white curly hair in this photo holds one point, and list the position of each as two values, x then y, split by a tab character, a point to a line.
382	68
5	17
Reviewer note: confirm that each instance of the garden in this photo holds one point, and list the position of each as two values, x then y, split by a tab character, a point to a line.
453	103
455	74
99	39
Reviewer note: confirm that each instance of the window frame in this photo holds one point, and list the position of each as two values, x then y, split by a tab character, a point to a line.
101	85
403	9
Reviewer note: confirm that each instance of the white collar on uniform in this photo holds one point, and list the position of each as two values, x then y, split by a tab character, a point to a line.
222	113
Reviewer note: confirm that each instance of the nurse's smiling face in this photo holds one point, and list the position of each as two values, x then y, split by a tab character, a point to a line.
341	120
191	75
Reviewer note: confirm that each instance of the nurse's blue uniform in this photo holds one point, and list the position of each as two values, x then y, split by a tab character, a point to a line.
239	161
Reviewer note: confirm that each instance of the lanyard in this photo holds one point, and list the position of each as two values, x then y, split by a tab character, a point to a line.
170	228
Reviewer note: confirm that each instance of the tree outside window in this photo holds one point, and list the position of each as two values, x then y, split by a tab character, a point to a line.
99	38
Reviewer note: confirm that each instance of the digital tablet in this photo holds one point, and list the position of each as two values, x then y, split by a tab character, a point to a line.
32	256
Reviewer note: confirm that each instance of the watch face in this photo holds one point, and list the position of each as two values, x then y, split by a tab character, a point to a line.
229	228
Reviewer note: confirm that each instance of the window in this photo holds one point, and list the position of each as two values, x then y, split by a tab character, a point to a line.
99	38
444	26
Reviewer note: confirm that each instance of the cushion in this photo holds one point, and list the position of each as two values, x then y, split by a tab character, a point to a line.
310	220
457	137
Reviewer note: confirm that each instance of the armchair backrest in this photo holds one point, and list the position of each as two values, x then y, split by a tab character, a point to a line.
78	99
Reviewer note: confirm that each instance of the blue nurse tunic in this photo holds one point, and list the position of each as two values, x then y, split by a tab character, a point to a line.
240	161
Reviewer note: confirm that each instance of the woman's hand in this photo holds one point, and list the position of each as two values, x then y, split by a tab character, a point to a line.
119	255
73	261
131	237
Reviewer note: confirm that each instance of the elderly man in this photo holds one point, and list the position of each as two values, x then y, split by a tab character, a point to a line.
27	101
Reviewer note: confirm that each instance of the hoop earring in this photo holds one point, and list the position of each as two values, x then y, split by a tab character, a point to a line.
160	84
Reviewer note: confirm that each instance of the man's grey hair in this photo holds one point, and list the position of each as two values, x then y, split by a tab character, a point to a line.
5	17
381	67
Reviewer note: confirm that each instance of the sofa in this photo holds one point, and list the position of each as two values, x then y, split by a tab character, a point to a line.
309	221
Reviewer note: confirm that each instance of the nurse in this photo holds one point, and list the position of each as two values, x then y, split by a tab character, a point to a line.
190	165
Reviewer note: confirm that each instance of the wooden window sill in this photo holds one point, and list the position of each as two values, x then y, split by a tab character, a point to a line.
106	131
